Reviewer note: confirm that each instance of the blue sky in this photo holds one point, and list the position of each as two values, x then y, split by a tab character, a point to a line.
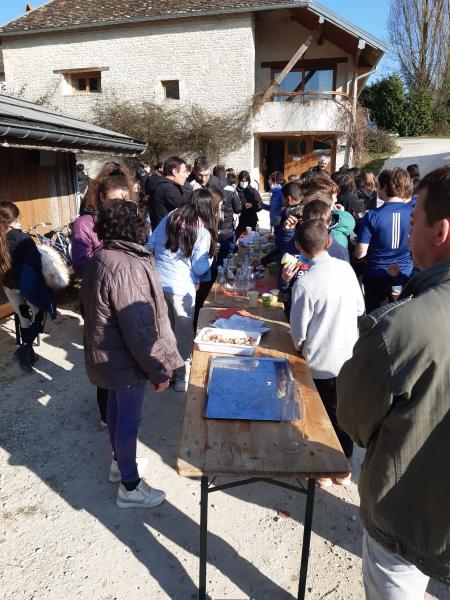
371	16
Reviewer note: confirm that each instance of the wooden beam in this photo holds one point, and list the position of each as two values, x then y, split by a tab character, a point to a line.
314	35
309	64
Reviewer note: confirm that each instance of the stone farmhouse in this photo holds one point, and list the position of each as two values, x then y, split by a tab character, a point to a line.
308	64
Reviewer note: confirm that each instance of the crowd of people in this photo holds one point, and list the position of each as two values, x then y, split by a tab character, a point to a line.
147	248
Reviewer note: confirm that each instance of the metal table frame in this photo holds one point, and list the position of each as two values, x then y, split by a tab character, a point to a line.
207	488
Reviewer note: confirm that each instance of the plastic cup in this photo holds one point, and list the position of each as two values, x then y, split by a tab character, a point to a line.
248	230
253	298
275	294
267	299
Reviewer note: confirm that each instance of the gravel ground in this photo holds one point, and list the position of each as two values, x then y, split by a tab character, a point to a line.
61	536
428	153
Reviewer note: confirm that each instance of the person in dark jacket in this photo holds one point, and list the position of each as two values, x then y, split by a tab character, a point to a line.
366	185
82	179
393	400
127	338
114	181
348	196
231	208
23	282
251	203
168	192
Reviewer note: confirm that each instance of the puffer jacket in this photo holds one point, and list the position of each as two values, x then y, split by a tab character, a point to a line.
127	333
393	399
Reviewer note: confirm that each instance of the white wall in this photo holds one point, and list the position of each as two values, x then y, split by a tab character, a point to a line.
213	58
308	116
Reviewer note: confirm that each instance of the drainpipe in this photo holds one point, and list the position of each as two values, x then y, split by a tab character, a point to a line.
349	149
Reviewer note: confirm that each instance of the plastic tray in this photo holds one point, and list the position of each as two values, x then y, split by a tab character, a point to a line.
225	348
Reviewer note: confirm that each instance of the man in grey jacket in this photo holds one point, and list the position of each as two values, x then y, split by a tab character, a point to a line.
394	400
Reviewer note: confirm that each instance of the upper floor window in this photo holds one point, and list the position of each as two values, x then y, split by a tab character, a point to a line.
86	82
300	80
171	89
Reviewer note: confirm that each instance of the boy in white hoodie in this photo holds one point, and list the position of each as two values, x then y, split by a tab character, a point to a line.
326	304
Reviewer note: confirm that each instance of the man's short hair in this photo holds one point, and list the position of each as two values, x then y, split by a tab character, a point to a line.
171	163
437	199
397	182
292	189
232	179
319	182
219	171
202	163
312	235
322	195
317	209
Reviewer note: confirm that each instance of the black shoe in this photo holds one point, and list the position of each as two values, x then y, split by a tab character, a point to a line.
24	358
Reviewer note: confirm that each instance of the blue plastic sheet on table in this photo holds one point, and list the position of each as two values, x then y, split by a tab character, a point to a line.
255	389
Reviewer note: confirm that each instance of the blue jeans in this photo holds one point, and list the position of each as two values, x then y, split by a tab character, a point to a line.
125	409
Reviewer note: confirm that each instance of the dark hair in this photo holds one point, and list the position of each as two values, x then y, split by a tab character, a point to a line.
317	209
244	176
321	194
8	214
113	176
219	171
217	198
121	220
173	163
436	202
414	171
312	235
202	163
230	171
346	183
158	166
80	167
276	177
292	189
183	224
397	182
232	179
320	183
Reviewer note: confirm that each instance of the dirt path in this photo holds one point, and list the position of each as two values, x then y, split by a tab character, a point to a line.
62	538
428	153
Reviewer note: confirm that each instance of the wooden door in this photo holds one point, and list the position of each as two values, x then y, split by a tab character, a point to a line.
298	155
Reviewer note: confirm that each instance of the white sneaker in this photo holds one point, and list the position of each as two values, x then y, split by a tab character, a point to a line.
142	497
114	472
181	385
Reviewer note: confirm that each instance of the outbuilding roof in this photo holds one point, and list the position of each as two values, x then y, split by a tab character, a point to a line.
26	124
71	14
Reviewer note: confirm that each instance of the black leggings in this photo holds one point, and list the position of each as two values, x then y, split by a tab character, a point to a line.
327	393
102	401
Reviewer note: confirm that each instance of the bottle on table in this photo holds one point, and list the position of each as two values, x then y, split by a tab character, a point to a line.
241	288
221	286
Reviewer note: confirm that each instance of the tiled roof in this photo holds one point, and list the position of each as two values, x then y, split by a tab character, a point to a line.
65	13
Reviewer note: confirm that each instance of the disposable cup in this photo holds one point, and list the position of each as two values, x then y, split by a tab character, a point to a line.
275	294
253	298
267	299
248	230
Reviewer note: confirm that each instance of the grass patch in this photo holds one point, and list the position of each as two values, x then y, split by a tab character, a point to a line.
375	162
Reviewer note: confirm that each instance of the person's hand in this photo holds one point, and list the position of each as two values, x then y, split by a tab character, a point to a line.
339	206
393	270
160	387
291	223
289	271
248	205
195	185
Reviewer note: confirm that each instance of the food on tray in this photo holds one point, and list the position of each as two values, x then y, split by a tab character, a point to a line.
217	337
289	259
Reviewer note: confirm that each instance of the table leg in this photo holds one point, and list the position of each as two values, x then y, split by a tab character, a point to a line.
306	538
203	538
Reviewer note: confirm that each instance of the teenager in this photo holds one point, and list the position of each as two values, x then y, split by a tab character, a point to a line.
231	209
127	338
167	191
383	238
113	182
276	183
326	304
366	184
184	245
251	203
23	282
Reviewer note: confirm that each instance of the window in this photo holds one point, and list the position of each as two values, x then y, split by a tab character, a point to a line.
296	148
323	145
300	79
86	82
171	89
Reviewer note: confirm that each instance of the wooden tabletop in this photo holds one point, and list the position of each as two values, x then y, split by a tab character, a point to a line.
255	448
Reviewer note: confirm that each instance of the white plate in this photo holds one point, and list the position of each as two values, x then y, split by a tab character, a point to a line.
226	348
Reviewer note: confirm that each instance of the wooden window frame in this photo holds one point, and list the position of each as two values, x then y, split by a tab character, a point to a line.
165	83
87	76
303	69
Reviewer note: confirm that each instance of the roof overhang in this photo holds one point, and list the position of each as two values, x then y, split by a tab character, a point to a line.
26	124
